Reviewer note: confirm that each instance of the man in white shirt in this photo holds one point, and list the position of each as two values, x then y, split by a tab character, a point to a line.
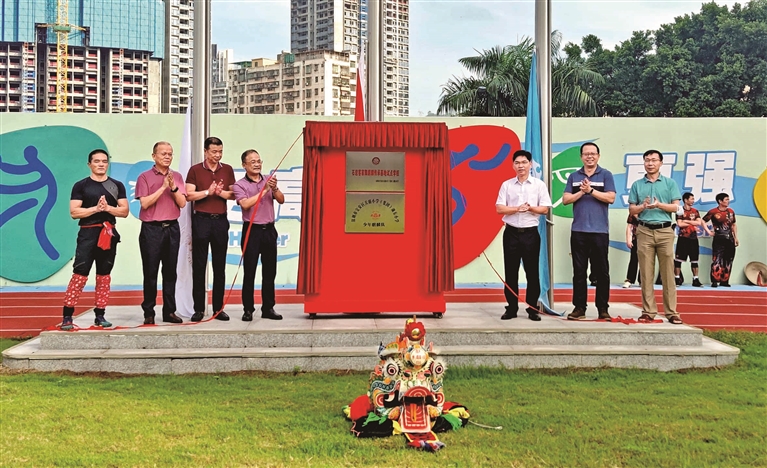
521	201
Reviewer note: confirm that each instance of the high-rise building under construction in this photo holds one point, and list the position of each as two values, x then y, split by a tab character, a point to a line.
122	55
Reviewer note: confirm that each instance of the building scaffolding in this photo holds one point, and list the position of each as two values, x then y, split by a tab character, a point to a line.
63	29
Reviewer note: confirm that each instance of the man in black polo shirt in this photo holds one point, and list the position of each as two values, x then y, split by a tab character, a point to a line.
96	201
208	185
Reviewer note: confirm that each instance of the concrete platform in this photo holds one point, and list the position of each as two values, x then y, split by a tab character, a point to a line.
469	334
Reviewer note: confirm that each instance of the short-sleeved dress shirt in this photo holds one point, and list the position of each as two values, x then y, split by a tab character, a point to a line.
514	193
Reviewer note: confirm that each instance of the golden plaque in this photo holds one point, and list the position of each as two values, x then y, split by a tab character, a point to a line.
369	171
375	212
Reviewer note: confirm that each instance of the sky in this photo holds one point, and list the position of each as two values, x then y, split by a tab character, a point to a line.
443	31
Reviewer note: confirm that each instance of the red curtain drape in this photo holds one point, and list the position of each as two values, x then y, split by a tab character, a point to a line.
432	137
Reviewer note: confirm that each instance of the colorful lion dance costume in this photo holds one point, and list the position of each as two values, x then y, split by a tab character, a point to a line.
405	395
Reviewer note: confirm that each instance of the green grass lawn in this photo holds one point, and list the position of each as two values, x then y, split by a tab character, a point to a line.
559	418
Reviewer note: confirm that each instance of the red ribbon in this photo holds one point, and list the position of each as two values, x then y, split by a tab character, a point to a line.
107	231
105	236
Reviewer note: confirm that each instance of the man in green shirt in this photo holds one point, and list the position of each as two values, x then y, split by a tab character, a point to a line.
655	200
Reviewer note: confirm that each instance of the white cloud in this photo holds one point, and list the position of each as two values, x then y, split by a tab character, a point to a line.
441	32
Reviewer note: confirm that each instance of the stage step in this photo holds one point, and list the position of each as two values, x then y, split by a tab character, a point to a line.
29	355
573	334
468	335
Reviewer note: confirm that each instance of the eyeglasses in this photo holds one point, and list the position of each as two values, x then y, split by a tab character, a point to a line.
652	160
589	154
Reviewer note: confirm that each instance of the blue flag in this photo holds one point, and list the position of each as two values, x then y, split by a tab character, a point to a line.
534	145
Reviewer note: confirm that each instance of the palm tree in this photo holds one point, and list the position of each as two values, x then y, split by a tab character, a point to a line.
500	78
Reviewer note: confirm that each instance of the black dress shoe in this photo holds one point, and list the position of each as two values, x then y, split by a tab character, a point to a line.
509	315
247	316
271	315
197	316
149	320
172	318
534	316
222	316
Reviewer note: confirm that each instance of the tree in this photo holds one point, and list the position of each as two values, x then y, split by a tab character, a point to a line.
711	63
500	77
626	92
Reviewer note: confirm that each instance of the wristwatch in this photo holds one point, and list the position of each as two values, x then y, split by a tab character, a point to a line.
207	192
174	190
592	190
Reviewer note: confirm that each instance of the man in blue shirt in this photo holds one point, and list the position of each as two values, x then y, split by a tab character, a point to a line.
655	200
591	190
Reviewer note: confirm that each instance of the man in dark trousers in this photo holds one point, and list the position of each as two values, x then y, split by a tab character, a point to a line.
208	185
162	194
96	201
522	200
251	189
591	191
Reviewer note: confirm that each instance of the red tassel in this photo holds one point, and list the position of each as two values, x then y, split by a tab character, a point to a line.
105	236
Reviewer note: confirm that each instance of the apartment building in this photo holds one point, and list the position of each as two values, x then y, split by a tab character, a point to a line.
100	79
324	25
179	54
341	25
219	93
221	58
219	98
319	82
396	57
113	62
18	75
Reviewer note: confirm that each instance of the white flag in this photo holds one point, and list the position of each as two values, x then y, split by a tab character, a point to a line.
184	302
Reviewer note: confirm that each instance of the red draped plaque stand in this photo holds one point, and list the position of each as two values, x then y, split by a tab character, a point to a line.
340	272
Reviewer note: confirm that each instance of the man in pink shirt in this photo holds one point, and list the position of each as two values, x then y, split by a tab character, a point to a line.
251	189
162	195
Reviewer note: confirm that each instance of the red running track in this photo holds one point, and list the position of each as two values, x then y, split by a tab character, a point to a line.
25	314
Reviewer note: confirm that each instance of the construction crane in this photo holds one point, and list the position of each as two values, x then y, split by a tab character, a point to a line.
63	29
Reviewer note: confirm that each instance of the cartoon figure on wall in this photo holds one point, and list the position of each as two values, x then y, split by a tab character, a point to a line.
37	172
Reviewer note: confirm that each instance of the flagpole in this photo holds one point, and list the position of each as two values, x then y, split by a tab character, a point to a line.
201	86
543	47
201	77
374	103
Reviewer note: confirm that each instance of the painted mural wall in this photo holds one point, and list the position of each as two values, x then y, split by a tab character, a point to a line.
41	156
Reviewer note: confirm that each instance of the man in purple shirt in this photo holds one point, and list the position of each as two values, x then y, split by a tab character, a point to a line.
162	195
251	189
